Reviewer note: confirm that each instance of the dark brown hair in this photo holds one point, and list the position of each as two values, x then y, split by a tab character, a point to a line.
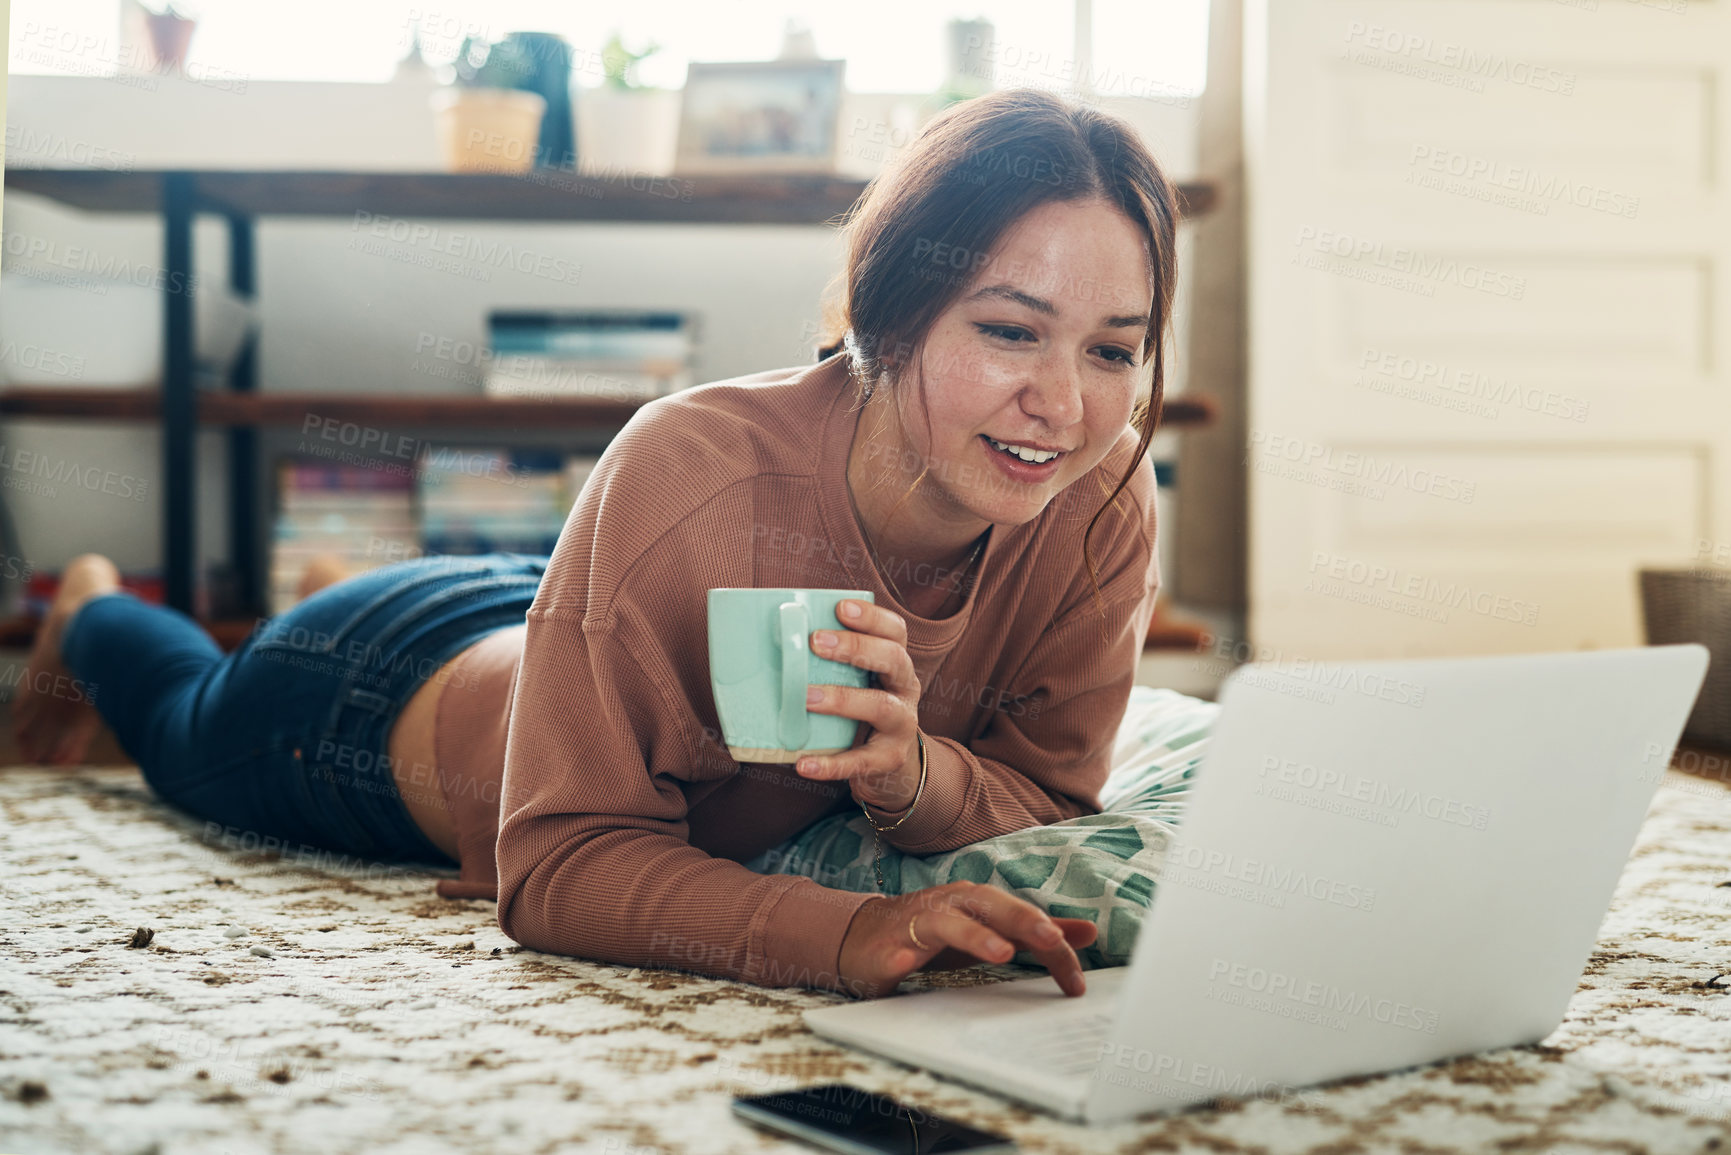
974	171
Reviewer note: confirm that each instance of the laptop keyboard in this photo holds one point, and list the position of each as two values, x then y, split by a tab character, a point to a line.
1063	1046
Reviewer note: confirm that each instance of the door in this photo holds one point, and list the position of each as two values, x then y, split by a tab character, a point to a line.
1487	379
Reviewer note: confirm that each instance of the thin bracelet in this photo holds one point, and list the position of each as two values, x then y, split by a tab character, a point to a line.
877	839
918	790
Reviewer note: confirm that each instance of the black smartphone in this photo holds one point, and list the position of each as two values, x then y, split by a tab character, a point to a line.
854	1121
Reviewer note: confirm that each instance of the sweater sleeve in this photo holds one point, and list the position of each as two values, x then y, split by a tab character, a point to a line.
593	852
1046	751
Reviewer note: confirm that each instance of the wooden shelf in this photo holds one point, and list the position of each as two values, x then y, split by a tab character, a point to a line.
1188	412
539	196
293	409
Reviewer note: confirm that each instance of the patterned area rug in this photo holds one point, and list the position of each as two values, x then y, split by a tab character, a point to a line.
288	1006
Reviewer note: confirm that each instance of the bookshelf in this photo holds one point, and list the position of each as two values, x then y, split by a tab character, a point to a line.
241	197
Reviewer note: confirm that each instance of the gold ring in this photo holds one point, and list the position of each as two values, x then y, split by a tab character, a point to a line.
914	936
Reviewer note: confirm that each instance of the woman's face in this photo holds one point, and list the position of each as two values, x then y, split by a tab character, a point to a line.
1041	350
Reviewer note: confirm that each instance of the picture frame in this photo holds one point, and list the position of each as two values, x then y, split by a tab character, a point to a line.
777	116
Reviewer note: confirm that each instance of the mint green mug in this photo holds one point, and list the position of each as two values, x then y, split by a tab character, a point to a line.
760	663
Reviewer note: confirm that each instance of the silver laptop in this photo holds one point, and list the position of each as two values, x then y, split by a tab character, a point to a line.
1383	864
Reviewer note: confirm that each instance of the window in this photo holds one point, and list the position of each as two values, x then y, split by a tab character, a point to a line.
1140	47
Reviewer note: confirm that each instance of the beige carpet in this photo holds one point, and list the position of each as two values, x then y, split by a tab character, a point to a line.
296	1008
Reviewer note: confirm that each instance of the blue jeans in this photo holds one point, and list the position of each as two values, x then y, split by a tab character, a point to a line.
288	736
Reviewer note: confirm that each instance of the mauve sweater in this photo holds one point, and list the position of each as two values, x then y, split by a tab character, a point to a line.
581	755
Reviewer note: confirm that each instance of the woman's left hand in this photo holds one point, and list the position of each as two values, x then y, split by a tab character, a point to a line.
883	771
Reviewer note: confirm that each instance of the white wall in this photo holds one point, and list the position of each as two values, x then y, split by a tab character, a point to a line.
339	317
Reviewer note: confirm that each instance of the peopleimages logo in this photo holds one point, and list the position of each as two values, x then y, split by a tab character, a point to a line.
1500	176
1321	787
1365	473
1259	874
1449	61
1317	681
1170	1076
1382	370
1403	261
1324	998
1389	587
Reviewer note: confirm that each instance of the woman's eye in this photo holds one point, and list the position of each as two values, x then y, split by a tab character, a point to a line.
1008	332
1113	353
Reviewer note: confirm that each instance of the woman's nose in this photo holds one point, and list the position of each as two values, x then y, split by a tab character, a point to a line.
1055	396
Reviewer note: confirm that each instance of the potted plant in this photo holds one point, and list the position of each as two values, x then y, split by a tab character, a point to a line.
487	122
627	127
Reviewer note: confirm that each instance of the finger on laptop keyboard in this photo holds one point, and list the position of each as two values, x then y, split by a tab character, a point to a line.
954	925
1004	921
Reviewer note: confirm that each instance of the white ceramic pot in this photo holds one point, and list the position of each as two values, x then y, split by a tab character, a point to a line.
634	132
488	129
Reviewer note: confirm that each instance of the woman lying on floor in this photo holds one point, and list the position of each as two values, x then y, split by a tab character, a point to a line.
547	725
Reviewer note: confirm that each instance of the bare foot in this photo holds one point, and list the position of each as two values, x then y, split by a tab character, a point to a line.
53	718
322	570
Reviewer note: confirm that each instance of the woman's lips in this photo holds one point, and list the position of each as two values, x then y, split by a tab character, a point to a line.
1016	468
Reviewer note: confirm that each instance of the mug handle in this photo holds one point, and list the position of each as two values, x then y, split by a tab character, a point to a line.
795	670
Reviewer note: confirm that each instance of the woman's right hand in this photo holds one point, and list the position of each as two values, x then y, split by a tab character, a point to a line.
962	924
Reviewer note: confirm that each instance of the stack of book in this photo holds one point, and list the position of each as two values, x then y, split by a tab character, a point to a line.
365	517
497	500
594	355
454	501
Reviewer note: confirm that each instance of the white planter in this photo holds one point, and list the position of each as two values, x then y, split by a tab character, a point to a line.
627	132
488	129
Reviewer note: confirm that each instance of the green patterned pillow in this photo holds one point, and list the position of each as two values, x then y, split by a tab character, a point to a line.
1100	867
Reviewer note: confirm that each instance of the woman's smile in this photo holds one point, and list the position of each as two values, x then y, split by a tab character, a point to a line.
1017	466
